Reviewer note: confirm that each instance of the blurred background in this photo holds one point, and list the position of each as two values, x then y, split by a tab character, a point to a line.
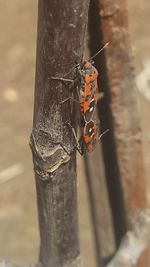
19	238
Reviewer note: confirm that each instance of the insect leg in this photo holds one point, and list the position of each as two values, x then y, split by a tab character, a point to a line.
77	146
69	98
74	82
62	79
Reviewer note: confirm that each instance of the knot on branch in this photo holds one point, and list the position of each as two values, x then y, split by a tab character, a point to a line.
47	159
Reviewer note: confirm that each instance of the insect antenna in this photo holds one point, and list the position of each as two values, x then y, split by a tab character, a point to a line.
99	51
73	68
107	130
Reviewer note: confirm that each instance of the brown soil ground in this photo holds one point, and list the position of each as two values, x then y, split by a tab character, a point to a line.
19	239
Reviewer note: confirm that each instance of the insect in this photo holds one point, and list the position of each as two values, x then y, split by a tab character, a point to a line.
88	138
87	87
87	90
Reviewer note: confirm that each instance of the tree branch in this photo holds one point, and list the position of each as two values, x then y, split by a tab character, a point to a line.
61	28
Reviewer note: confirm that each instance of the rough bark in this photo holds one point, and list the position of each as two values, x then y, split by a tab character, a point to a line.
105	116
61	27
123	104
123	154
124	164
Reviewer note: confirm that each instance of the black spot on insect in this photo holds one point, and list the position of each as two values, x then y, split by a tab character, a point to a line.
89	113
90	128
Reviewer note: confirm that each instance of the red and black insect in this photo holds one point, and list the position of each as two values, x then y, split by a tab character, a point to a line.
87	87
88	139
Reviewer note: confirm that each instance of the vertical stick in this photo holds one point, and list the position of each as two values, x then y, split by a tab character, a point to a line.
61	27
119	109
109	149
123	105
93	211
